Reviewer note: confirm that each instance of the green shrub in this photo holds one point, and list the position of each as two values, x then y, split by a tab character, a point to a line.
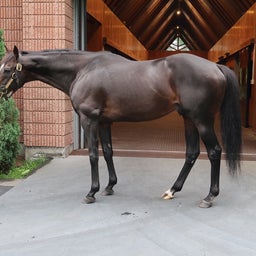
9	134
9	127
2	47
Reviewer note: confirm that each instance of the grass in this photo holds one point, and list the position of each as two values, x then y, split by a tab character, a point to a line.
24	168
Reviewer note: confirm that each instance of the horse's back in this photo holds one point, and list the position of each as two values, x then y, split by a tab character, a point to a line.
191	65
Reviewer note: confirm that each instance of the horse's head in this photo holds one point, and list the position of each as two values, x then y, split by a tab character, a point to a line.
10	73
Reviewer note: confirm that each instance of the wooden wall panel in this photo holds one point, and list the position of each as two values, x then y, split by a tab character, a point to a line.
94	34
252	106
96	9
115	32
160	54
237	37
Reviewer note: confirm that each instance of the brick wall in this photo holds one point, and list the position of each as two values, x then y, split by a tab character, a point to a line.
46	113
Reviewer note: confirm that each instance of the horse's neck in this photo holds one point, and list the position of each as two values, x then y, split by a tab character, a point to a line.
55	70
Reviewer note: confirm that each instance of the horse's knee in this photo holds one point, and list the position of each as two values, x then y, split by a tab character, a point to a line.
93	158
215	153
191	157
107	151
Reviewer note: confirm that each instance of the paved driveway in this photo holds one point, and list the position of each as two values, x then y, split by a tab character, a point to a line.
43	215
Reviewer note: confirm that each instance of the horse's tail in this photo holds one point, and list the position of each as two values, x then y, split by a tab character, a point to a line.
231	121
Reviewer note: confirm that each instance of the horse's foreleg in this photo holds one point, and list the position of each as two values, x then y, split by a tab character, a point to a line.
106	142
91	130
192	152
214	154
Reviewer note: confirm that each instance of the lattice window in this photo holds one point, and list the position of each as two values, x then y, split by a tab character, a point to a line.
177	45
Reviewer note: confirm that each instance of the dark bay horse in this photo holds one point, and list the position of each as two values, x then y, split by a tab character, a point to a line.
105	88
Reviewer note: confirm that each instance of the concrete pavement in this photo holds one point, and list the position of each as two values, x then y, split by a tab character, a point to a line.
43	214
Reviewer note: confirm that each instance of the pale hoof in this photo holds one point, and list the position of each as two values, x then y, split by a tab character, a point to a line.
107	192
89	200
205	204
167	195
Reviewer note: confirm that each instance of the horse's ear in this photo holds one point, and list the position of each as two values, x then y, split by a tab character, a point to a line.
16	52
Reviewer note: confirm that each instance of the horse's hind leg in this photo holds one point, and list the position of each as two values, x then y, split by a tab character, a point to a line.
192	152
214	154
106	142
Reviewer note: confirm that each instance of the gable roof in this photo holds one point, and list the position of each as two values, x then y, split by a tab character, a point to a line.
200	24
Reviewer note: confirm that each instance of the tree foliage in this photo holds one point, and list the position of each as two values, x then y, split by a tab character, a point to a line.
2	45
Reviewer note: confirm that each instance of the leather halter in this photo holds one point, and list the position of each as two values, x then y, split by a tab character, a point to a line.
12	78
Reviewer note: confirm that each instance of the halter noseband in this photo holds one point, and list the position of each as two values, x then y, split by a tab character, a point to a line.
13	77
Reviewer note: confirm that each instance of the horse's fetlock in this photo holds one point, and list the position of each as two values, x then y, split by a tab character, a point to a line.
113	182
215	192
95	188
177	187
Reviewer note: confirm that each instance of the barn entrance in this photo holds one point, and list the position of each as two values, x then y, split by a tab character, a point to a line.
163	137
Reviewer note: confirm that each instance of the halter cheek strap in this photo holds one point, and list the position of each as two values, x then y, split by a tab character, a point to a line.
13	77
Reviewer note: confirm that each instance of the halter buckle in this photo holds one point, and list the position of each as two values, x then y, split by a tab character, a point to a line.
18	67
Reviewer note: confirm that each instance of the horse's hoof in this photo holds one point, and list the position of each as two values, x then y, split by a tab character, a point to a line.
89	200
108	192
167	195
205	204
